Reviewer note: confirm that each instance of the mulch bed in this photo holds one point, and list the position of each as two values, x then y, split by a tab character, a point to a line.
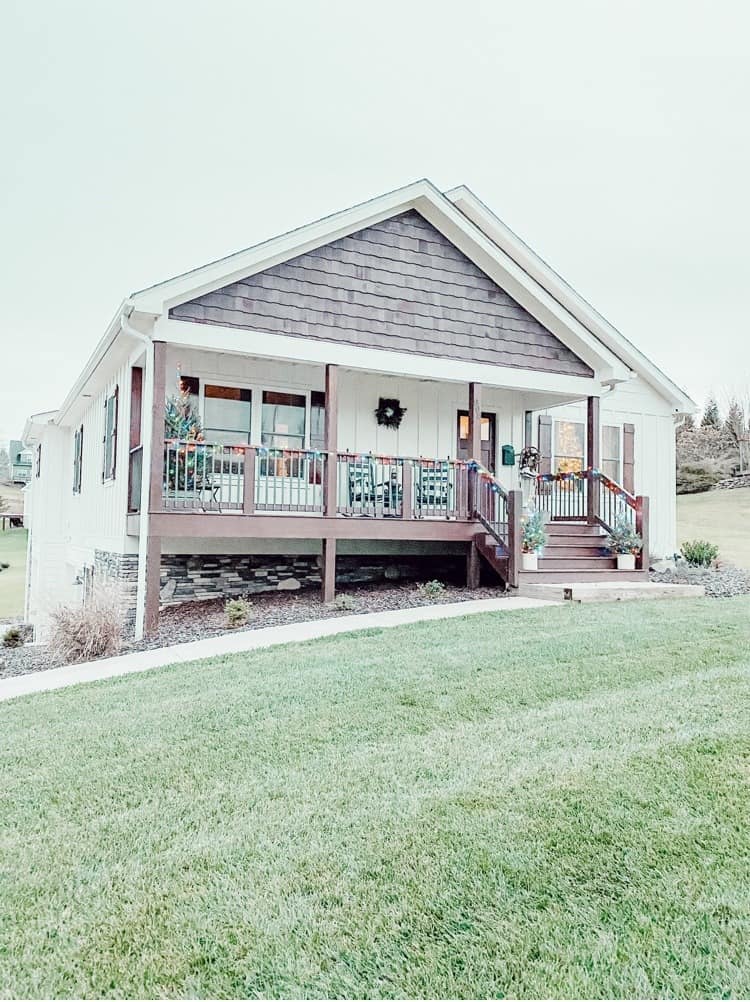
197	620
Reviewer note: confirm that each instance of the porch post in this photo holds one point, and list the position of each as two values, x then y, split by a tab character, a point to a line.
642	527
156	474
515	509
153	584
155	488
475	421
593	456
330	504
329	570
472	566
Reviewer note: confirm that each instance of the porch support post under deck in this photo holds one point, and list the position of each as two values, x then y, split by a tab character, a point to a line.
593	455
329	570
472	566
153	584
331	433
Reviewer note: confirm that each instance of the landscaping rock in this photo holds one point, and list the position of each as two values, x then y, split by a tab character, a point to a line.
719	582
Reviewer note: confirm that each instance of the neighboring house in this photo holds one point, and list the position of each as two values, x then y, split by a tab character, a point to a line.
418	305
21	461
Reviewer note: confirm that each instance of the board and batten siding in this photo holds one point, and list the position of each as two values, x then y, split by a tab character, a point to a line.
68	528
429	427
399	285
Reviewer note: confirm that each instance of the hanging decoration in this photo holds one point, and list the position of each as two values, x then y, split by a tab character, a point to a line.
528	462
389	413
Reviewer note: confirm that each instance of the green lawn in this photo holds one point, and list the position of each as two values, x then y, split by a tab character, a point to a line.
723	517
543	803
13	552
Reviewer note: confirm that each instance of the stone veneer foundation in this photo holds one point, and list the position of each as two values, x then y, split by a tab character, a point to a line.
120	569
197	577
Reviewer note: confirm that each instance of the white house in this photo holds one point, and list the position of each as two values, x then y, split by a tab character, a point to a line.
366	386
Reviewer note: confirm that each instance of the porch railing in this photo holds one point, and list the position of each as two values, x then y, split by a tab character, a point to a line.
206	476
591	496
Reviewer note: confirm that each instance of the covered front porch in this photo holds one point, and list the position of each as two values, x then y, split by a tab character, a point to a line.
295	451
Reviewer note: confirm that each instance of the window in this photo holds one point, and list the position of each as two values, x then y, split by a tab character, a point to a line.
569	446
77	460
38	471
227	414
282	427
110	436
611	452
317	420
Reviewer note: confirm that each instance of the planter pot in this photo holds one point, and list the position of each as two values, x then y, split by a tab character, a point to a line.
625	561
529	561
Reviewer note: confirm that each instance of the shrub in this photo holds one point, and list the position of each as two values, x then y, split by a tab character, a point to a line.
88	631
623	538
345	603
238	612
699	552
432	589
533	534
694	478
13	637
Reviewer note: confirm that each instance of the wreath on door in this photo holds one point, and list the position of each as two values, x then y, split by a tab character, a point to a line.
389	413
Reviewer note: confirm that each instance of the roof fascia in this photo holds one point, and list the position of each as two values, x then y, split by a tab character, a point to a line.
438	210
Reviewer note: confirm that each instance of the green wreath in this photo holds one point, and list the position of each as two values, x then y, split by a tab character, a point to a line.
389	412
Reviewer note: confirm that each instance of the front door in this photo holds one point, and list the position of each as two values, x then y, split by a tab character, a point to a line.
487	459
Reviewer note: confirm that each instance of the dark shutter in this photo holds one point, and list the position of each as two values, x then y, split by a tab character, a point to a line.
628	457
545	443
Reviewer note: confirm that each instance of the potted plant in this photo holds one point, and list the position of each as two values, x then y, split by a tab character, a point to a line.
533	538
625	542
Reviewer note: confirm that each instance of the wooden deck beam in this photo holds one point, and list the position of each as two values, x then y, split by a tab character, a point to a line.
230	526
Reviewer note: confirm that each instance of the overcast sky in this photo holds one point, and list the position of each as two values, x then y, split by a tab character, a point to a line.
143	139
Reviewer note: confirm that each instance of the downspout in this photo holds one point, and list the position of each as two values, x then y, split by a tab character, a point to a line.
146	442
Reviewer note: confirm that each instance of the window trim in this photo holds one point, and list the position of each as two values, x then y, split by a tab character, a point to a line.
78	460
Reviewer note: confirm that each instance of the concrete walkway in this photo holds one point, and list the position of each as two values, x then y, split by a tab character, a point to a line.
249	640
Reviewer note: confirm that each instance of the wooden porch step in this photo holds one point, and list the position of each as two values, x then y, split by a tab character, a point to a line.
566	529
550	562
577	548
573	577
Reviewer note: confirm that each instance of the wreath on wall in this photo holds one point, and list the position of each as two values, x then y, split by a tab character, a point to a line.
389	413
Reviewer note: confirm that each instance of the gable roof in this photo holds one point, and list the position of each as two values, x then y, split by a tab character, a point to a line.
471	227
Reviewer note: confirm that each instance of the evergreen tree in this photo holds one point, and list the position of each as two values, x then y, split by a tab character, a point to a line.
4	465
187	466
711	417
735	425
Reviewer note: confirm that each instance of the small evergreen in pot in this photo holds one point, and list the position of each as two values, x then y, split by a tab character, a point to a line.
533	538
625	542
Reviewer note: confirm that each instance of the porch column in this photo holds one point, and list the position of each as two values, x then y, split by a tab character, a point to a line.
328	575
156	487
472	566
156	474
331	433
593	447
475	421
593	456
